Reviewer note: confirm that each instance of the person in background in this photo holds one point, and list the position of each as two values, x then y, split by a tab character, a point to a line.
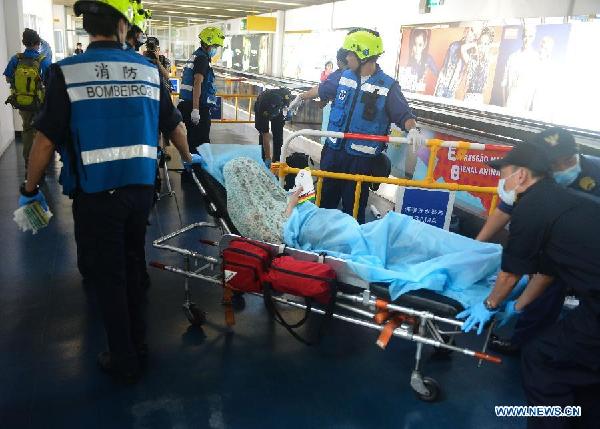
26	73
153	54
269	106
327	71
198	90
78	50
136	36
366	101
46	50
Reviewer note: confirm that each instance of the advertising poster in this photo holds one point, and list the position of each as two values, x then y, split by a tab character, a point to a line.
575	99
538	71
529	67
457	63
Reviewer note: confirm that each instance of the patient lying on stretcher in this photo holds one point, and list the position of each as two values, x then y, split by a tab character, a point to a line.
396	249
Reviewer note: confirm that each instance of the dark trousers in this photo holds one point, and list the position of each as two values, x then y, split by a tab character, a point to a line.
540	314
333	191
562	367
196	134
277	125
111	234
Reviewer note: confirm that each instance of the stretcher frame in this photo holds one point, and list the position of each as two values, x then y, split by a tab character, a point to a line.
369	311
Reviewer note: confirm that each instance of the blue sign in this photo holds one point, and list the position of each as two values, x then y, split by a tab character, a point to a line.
432	206
174	84
216	112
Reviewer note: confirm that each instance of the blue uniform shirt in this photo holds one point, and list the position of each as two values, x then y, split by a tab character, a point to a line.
9	72
588	181
396	105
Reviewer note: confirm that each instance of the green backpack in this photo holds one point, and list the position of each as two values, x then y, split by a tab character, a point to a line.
27	90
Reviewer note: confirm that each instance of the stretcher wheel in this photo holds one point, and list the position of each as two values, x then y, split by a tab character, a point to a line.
194	315
433	390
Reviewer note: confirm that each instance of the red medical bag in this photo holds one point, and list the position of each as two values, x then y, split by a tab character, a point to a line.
301	278
245	264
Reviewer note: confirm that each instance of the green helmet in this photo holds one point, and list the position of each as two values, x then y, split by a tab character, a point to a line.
140	16
364	43
212	36
101	7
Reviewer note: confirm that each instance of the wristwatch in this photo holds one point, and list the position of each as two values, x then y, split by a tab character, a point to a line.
28	194
488	305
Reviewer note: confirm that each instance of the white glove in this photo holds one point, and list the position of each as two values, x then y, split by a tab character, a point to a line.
195	116
416	139
295	105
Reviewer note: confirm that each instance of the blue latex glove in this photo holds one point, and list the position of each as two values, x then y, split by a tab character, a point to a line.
475	315
196	160
509	312
518	289
23	200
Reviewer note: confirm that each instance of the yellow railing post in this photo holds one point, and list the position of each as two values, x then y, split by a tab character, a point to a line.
493	204
357	191
236	107
319	190
434	146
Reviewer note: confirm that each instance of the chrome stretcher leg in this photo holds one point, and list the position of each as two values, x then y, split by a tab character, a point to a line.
426	388
195	316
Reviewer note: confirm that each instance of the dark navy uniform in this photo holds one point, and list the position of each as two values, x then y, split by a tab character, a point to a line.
199	63
558	236
268	107
368	107
104	109
546	309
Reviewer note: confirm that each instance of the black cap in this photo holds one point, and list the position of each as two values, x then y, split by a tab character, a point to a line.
152	40
524	155
556	142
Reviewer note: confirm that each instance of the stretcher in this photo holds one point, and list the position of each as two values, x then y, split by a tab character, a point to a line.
422	316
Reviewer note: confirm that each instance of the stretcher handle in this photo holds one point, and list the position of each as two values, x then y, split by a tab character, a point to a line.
335	134
158	265
489	358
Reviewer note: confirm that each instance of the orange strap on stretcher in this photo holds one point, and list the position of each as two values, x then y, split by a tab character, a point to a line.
391	325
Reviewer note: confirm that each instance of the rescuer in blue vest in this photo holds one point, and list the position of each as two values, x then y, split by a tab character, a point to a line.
366	101
103	111
198	91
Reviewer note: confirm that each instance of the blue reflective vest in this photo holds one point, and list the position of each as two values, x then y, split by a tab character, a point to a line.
115	96
208	89
360	109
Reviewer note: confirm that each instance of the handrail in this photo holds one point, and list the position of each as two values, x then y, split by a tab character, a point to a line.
428	182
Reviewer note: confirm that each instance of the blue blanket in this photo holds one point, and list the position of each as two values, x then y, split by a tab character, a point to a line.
398	250
215	156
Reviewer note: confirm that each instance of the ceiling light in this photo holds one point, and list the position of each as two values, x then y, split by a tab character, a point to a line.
283	3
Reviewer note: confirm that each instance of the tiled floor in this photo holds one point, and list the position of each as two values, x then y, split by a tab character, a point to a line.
256	377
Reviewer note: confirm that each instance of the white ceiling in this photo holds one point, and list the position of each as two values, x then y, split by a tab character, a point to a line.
184	12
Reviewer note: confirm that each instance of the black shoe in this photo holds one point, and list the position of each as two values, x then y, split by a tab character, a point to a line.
503	346
106	364
238	302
